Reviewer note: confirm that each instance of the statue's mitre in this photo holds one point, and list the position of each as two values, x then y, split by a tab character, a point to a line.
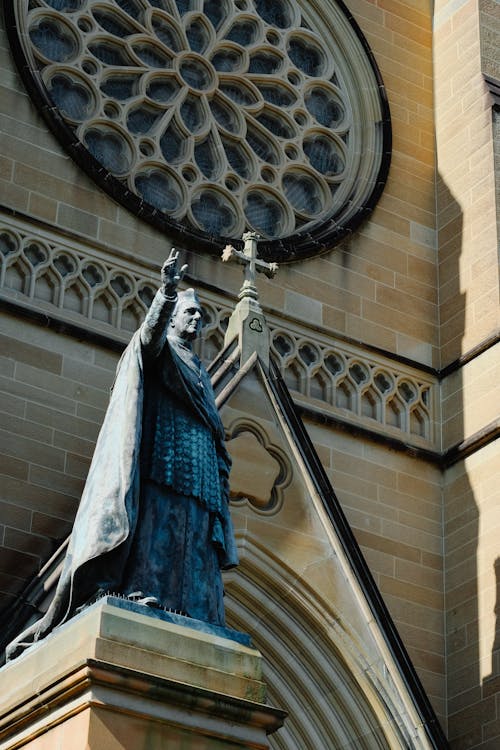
188	297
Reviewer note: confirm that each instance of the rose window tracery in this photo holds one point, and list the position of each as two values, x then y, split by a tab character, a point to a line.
215	116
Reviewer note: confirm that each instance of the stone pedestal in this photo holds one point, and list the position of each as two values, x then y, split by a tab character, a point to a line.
114	678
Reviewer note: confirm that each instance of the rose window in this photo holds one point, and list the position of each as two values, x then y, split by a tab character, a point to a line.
214	117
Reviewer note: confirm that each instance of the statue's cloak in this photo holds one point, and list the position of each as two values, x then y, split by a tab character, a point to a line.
105	522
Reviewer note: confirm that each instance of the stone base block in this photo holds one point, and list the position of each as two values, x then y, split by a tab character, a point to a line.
114	678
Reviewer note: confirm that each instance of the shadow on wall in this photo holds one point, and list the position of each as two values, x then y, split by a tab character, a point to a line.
491	683
467	697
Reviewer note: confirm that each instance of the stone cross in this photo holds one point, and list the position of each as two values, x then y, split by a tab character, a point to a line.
248	258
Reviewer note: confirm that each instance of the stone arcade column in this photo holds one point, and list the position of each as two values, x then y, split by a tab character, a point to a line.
114	678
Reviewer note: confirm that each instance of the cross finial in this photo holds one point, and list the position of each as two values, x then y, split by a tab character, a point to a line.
247	324
252	264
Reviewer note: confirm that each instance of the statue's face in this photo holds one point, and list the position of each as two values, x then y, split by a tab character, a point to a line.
186	321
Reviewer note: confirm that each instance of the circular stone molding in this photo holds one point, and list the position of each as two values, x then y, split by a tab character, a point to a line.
209	118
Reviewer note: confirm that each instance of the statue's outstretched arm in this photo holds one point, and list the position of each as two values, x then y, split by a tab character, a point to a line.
155	327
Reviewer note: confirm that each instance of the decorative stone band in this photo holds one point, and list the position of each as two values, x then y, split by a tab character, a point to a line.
356	386
104	295
78	283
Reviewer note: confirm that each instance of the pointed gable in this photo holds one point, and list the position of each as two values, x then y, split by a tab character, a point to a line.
303	590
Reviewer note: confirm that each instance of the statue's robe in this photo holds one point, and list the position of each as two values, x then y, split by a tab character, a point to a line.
154	511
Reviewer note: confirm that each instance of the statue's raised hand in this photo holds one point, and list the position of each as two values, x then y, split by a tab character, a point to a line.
171	275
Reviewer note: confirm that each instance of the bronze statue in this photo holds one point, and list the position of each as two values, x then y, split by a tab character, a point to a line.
153	523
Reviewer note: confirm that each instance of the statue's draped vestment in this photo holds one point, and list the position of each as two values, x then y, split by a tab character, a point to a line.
154	513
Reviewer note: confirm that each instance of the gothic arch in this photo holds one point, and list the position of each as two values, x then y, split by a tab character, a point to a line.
315	666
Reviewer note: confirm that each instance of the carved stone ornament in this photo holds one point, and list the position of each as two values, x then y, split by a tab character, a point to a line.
209	118
249	446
